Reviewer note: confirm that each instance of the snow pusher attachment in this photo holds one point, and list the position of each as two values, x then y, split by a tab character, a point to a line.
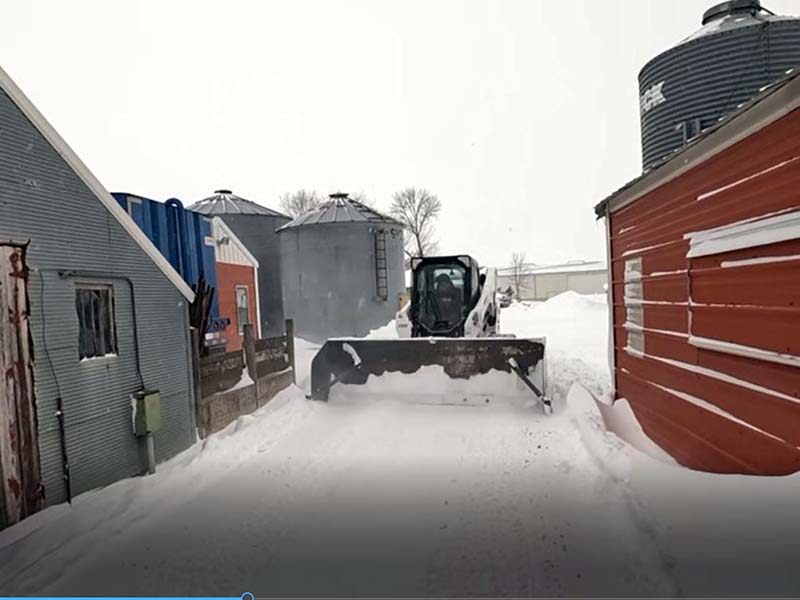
352	361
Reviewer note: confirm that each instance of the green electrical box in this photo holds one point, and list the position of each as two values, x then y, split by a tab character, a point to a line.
146	407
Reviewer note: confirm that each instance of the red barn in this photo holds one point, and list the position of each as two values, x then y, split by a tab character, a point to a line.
237	284
704	255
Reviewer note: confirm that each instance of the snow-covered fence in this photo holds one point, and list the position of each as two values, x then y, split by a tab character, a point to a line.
237	383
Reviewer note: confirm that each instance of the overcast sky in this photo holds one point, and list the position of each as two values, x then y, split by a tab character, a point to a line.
520	115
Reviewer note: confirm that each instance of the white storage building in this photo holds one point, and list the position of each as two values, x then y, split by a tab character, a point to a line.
540	282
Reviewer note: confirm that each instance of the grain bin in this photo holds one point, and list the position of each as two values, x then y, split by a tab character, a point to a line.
740	48
341	269
255	226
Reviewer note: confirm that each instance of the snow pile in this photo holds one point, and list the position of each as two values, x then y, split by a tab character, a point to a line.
387	332
576	328
431	385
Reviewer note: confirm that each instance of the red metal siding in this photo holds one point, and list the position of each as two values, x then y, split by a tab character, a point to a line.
714	410
229	276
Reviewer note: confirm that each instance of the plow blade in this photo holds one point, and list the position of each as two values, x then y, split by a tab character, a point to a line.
352	361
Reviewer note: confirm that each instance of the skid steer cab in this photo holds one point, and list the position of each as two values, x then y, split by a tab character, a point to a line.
451	296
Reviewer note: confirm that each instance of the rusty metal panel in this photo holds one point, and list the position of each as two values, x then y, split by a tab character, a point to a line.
20	487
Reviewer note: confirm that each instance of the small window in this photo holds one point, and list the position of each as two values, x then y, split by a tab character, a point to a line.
242	307
97	332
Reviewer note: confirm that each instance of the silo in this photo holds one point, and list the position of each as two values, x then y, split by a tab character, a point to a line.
342	269
740	48
255	226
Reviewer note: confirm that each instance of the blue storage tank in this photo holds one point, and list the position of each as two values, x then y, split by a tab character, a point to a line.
183	237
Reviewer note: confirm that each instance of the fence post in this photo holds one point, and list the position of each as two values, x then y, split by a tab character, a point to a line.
290	347
250	357
198	392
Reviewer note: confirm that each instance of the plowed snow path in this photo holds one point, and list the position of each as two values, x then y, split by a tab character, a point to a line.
370	499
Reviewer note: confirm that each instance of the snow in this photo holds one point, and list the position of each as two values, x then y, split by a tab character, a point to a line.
244	381
369	495
387	332
747	351
761	173
353	354
762	260
749	233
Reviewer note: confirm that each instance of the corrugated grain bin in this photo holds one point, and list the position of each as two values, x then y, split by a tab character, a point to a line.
740	48
342	269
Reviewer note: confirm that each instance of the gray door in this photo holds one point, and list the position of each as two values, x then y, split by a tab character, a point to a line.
20	481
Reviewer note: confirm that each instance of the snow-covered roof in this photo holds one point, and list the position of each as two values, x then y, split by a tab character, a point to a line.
573	266
340	209
225	202
733	21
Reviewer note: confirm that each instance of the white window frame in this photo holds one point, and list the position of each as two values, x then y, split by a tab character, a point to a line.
239	323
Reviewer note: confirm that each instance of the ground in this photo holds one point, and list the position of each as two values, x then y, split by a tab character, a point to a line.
390	497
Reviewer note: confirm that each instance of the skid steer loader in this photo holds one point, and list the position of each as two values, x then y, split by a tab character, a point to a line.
451	321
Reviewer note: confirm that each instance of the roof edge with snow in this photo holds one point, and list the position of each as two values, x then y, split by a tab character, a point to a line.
63	149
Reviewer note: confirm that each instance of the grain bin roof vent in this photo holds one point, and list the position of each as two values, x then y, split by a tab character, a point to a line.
340	208
732	7
225	202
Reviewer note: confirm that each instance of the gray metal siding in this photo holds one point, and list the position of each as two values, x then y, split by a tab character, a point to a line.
257	233
73	237
329	283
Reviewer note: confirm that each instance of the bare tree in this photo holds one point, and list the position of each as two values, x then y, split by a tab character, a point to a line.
300	202
418	210
517	271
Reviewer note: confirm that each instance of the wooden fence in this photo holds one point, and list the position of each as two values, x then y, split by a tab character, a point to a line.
233	384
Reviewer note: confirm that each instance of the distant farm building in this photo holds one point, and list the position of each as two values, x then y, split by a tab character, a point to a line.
255	226
342	269
540	282
705	272
237	284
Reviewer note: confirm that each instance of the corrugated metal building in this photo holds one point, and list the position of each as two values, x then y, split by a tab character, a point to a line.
705	267
342	269
540	282
237	284
108	316
255	226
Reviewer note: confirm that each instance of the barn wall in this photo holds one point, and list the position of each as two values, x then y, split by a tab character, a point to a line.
731	404
229	276
72	239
